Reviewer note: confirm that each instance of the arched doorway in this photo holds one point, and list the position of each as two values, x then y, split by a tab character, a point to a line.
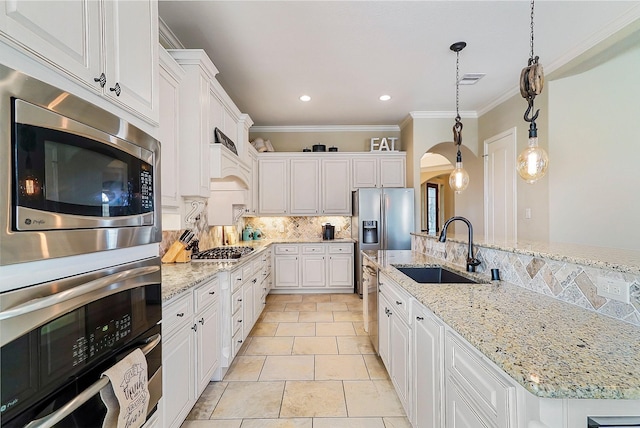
435	194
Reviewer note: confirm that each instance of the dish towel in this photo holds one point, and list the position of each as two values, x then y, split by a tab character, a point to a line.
127	395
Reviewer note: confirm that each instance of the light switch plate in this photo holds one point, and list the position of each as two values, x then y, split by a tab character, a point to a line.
615	289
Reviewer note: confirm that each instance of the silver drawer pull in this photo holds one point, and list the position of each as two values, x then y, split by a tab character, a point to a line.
181	314
398	302
420	318
212	292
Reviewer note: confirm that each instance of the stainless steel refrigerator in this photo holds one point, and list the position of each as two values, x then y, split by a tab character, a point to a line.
382	219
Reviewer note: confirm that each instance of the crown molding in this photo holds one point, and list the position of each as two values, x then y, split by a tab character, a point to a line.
327	128
442	114
167	38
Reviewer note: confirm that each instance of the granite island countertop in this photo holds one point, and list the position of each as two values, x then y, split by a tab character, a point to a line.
553	349
179	277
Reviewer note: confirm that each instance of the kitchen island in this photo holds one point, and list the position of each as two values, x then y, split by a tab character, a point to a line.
560	355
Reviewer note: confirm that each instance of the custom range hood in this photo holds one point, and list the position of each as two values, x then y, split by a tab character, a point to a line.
230	178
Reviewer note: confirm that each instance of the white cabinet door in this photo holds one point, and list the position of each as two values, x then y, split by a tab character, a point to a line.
392	172
459	412
340	270
131	49
178	388
207	345
384	331
170	75
365	172
313	271
305	186
66	34
248	318
286	272
335	188
428	369
400	349
274	185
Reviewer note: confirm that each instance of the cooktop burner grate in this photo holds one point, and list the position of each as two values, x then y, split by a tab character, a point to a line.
219	254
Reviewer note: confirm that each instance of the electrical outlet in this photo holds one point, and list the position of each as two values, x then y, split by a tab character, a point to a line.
615	289
281	228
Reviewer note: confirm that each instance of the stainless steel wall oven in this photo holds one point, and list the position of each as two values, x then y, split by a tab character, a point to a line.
79	179
58	338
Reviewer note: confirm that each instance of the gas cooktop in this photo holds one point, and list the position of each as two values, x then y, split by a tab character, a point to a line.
221	254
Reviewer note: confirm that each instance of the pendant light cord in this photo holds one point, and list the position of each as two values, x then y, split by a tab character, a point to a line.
531	57
457	127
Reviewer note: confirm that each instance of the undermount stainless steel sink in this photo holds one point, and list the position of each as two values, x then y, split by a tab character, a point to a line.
434	275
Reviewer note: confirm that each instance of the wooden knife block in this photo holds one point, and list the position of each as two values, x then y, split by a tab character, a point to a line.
184	256
172	253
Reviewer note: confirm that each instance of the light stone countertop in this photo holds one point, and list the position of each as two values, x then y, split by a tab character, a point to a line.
553	349
618	259
180	277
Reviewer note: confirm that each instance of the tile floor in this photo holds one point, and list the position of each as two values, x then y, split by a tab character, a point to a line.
307	363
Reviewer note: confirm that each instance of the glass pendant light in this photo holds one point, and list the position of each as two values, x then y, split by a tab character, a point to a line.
459	178
533	162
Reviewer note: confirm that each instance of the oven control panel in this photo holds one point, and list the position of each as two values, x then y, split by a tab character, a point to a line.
106	336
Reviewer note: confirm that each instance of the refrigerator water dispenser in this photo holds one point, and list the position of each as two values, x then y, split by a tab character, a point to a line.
370	232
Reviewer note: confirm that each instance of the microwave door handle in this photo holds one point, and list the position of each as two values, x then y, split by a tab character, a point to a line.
96	284
53	418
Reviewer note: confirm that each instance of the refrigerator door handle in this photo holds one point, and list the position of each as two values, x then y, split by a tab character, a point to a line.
383	220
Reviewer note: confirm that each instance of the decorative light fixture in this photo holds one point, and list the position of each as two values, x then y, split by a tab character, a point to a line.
384	97
533	162
305	98
459	179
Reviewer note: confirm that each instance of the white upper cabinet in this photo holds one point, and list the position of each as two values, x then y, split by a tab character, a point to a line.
335	191
170	76
114	53
305	186
387	169
274	186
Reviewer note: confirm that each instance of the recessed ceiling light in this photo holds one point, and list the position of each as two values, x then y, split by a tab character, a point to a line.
384	97
305	98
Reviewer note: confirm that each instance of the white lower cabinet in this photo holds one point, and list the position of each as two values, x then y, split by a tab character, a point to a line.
320	267
428	368
460	413
190	349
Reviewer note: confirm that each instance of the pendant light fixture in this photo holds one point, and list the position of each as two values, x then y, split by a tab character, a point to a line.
459	179
533	162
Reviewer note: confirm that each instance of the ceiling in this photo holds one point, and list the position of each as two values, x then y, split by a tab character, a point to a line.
345	54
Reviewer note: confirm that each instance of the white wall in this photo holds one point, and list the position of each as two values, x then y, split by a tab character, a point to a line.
594	174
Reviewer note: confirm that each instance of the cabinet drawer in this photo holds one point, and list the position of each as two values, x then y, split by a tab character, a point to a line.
286	249
207	294
236	322
247	270
398	299
313	249
492	394
341	249
177	313
236	279
236	342
236	301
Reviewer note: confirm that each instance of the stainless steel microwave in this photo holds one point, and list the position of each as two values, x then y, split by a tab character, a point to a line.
80	179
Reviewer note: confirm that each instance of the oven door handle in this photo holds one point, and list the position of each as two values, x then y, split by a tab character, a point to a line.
91	286
64	411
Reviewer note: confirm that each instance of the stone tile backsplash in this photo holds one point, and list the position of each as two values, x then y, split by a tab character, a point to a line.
299	228
568	282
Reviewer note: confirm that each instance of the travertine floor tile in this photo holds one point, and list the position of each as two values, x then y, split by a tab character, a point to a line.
315	345
359	327
226	423
305	306
280	317
270	346
332	306
284	298
295	367
346	297
264	329
313	398
296	329
207	401
315	317
375	367
372	398
396	423
275	307
250	400
335	329
347	316
278	423
356	306
355	345
341	367
348	423
245	367
244	346
316	298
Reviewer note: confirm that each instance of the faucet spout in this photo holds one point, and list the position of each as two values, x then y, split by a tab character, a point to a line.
472	262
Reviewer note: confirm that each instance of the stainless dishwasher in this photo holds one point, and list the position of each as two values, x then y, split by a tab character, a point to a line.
370	297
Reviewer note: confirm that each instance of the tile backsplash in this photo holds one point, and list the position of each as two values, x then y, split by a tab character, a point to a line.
299	228
569	282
